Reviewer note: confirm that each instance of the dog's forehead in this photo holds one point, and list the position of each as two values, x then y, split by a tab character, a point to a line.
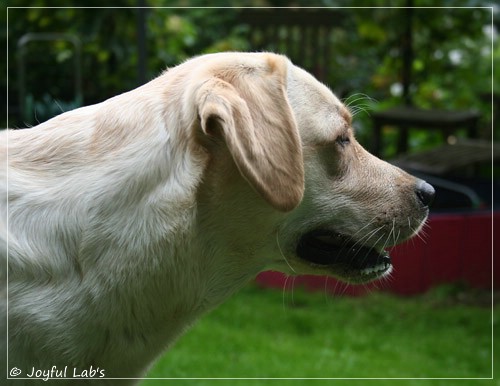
315	105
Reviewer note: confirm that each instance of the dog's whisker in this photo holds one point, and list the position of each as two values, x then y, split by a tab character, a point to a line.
367	252
364	240
292	290
393	231
359	96
359	242
421	235
288	291
399	234
360	108
335	289
59	105
387	240
380	238
369	223
344	287
282	254
284	292
360	230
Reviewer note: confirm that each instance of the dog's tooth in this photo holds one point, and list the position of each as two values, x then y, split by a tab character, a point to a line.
377	268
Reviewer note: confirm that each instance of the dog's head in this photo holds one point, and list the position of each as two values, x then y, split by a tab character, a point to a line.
292	141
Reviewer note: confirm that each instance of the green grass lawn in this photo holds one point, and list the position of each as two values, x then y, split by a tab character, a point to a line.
262	333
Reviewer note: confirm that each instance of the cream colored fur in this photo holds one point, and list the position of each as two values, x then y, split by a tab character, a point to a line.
129	219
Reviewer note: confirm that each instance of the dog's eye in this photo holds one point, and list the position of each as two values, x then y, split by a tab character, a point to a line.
343	140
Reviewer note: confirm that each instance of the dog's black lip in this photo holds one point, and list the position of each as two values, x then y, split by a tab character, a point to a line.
342	252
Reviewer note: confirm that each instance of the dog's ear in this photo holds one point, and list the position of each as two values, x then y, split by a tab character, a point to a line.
251	110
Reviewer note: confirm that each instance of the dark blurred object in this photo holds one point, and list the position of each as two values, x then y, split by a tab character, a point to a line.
408	116
450	158
304	35
62	92
455	172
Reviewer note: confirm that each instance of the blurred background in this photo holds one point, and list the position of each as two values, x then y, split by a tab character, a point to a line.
421	85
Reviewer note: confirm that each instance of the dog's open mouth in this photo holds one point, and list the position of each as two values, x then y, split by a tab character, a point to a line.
346	258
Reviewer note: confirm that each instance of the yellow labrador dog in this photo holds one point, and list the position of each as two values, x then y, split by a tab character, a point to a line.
129	219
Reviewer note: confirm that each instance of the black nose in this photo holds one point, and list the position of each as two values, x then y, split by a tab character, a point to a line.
425	192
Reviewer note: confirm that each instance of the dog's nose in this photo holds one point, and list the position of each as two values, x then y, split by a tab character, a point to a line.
425	192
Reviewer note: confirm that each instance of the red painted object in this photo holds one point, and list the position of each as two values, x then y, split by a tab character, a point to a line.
456	248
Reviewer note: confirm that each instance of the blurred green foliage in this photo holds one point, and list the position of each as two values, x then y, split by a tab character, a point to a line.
452	67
